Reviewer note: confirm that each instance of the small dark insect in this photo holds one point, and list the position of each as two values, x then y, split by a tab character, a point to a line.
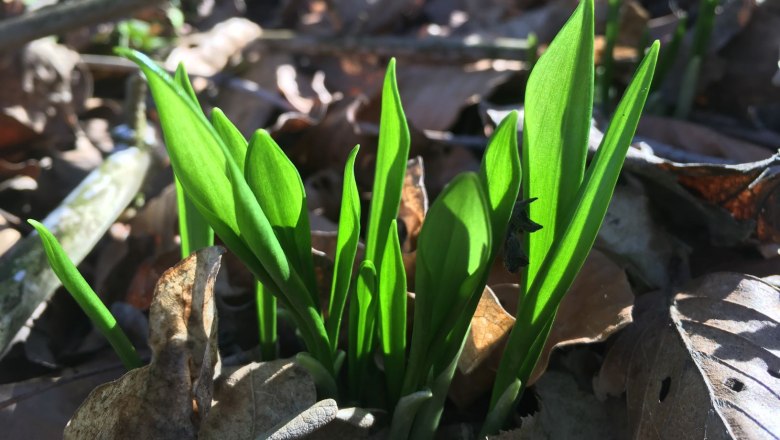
519	223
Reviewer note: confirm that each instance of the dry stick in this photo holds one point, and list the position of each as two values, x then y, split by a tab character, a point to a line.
61	17
432	48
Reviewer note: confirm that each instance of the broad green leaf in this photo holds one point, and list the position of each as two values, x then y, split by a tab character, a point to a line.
391	157
392	313
86	298
279	191
211	178
565	259
194	230
361	326
500	174
256	229
452	253
558	105
346	248
191	148
233	139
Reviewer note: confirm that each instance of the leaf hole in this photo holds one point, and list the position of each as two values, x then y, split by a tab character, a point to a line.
773	372
666	384
735	384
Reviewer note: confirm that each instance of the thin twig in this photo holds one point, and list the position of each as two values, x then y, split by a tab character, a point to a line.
61	17
432	48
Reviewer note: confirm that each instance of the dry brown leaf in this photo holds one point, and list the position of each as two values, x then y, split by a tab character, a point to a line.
704	367
630	231
489	326
168	398
242	408
597	305
414	203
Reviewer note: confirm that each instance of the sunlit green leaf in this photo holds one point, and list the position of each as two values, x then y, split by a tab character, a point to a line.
86	298
560	267
500	174
346	248
392	313
558	105
233	139
392	154
452	254
276	184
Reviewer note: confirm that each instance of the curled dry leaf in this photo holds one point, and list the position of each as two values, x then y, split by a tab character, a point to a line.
706	367
597	305
168	398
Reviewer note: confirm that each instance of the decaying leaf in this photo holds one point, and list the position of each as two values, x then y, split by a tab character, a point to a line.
706	367
598	304
242	408
489	326
168	398
652	255
414	204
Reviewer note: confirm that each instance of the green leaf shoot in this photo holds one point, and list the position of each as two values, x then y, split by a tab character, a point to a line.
86	298
346	249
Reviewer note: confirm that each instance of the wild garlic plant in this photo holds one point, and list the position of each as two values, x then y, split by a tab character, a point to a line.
251	195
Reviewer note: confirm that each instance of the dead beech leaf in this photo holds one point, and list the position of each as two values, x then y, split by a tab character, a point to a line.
597	305
489	326
168	398
630	231
414	203
706	367
256	399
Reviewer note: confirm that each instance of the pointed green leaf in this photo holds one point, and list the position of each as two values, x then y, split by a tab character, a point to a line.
346	248
452	255
392	313
211	178
233	139
279	191
565	259
194	231
86	298
392	154
183	80
500	176
558	105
